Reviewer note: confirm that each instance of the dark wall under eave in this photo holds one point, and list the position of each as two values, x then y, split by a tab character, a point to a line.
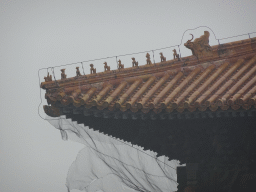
179	139
223	143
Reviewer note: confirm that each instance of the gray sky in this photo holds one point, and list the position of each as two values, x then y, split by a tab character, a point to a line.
40	34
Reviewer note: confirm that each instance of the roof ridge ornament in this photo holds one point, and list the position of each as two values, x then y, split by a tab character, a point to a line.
106	67
200	46
148	59
134	62
92	70
175	55
78	72
48	78
162	57
63	75
120	65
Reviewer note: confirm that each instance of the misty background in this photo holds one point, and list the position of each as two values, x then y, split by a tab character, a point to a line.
39	34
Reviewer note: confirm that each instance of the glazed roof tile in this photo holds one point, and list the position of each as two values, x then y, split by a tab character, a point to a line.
225	79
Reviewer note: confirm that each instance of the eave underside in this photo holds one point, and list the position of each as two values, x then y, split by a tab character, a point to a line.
223	144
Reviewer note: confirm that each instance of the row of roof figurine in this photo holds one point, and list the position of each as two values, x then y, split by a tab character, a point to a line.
120	65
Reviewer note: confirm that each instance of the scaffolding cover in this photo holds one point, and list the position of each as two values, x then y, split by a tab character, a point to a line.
109	164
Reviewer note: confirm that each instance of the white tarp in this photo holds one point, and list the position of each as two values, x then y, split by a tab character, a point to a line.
109	164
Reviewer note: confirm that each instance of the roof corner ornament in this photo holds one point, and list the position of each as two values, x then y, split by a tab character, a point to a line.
92	70
48	78
162	57
148	59
200	47
134	62
52	111
120	66
175	55
106	67
63	75
78	72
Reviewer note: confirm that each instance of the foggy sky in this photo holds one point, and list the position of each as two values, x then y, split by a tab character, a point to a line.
41	34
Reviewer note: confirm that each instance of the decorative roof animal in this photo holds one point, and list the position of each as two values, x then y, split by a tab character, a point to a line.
78	72
48	78
148	59
120	66
92	70
134	62
200	47
175	54
63	75
162	57
106	67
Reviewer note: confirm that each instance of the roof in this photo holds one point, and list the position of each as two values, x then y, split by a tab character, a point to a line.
214	77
